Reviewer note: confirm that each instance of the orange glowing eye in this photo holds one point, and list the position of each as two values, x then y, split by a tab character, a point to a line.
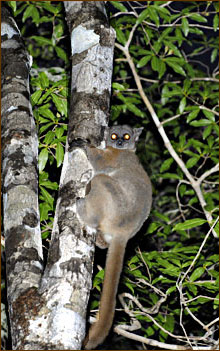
126	136
114	136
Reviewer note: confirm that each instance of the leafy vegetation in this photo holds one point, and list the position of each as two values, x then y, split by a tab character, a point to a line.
167	52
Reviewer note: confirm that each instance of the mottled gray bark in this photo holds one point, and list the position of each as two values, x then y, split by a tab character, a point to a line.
67	279
19	183
54	316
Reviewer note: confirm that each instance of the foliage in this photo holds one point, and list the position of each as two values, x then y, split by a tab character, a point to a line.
174	48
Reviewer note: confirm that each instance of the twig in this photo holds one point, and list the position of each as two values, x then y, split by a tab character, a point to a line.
152	310
120	330
172	118
212	322
203	296
208	173
147	268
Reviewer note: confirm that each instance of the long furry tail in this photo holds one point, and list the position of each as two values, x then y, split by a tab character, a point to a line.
114	262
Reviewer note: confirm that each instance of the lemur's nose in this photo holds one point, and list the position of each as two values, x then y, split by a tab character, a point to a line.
119	142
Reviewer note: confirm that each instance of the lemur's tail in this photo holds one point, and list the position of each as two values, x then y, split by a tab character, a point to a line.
114	262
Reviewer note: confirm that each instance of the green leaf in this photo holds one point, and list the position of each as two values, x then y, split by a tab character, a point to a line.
161	216
182	189
61	104
48	198
43	157
45	234
155	62
170	176
152	227
45	112
215	22
197	17
169	323
43	80
161	10
59	132
196	274
41	40
209	114
49	137
216	302
164	34
179	36
120	36
200	123
190	223
166	164
157	46
186	85
173	49
175	66
193	114
192	162
162	69
45	96
51	8
143	61
59	154
58	31
119	6
153	16
21	9
43	128
185	26
193	289
35	97
48	184
182	104
61	53
13	5
129	285
31	11
171	289
135	110
144	14
44	209
214	55
118	86
45	19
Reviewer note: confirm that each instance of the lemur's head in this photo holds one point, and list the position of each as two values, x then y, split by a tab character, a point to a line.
122	137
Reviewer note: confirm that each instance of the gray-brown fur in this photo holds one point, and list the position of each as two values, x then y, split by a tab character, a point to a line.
118	203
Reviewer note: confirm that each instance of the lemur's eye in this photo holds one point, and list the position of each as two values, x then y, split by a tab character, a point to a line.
126	136
114	136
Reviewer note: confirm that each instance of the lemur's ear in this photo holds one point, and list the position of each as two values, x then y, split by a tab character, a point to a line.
137	133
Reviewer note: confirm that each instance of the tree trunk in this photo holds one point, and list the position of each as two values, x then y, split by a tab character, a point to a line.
61	301
69	267
19	182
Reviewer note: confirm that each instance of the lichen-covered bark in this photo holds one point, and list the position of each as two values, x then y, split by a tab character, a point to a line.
92	43
19	183
67	279
51	315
